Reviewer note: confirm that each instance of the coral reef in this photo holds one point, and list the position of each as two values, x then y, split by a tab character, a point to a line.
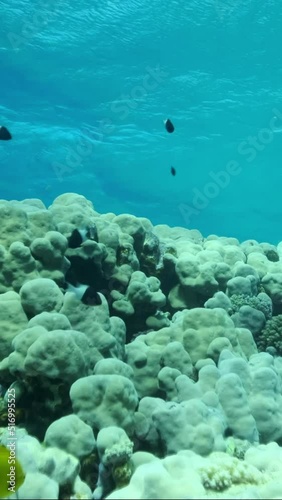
144	361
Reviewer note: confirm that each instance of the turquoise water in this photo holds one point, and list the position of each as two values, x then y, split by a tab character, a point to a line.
85	87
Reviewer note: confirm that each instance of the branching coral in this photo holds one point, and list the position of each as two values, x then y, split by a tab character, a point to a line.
223	471
262	302
271	335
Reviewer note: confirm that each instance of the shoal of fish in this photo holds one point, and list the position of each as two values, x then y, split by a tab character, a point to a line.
5	135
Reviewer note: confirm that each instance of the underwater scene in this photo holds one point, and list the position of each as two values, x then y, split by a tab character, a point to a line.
140	249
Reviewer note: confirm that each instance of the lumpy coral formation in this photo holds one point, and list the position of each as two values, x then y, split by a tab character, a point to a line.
144	361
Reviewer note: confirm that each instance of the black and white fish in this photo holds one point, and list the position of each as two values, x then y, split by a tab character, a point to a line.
169	126
86	293
5	135
78	236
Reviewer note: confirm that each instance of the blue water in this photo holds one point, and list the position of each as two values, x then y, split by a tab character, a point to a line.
85	87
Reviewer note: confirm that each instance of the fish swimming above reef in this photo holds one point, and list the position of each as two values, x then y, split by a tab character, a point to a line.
173	171
12	475
5	135
86	293
169	126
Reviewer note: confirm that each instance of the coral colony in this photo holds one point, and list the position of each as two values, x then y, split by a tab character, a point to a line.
137	361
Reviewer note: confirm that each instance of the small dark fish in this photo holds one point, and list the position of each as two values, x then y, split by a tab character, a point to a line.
173	171
91	297
78	236
86	293
169	126
5	134
75	239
